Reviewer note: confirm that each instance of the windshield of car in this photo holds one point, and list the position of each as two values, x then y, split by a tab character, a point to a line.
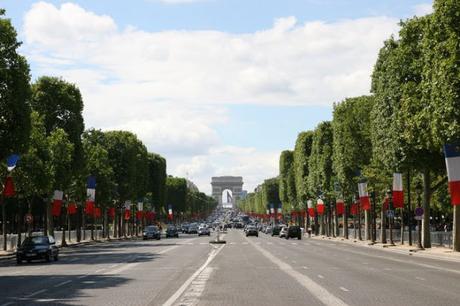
36	241
151	229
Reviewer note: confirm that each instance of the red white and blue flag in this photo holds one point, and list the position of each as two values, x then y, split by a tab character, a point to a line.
339	207
170	212
320	207
364	196
398	194
311	209
57	203
452	154
90	195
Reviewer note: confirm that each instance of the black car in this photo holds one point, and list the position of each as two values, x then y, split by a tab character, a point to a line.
294	231
172	231
276	230
151	232
37	247
251	230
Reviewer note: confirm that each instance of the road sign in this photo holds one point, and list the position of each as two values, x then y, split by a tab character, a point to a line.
419	213
28	218
390	213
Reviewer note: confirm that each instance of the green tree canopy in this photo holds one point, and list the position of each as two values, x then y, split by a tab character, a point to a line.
14	93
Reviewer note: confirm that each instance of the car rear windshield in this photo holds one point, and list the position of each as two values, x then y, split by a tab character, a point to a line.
151	229
36	241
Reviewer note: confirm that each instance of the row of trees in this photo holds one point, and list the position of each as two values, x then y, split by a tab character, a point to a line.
401	127
43	123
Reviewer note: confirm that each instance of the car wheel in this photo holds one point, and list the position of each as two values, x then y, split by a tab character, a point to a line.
56	257
47	258
28	260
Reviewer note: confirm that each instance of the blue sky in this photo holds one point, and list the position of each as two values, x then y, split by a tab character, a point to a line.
219	87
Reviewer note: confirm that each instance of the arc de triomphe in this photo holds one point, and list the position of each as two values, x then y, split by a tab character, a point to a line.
221	183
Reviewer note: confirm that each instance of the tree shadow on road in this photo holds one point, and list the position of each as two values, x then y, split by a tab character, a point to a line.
54	289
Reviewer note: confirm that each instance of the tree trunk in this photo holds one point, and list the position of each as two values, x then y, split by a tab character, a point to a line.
426	238
409	208
456	229
63	241
345	222
45	219
366	225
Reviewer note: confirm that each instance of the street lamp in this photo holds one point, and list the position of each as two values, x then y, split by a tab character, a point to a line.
419	190
390	214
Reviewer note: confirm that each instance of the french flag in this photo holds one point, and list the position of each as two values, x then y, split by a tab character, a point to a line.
364	196
398	194
170	212
452	154
90	195
339	207
320	207
57	203
311	209
272	209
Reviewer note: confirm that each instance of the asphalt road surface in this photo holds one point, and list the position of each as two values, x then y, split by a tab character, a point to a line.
246	271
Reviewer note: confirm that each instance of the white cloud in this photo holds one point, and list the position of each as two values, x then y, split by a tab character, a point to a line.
172	87
423	9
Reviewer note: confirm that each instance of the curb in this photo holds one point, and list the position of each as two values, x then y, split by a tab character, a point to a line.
12	255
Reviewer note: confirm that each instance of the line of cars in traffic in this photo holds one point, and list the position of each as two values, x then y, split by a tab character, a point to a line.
281	230
172	231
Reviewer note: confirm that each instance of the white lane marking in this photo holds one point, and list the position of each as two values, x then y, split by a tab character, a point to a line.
403	261
320	276
122	268
203	243
315	289
187	283
305	268
36	293
62	284
294	243
420	278
344	289
196	288
232	242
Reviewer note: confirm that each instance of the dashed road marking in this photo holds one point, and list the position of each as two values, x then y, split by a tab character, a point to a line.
305	268
420	278
187	283
318	291
36	293
344	289
320	276
62	284
294	243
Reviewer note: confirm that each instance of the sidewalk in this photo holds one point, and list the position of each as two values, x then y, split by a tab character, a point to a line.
11	253
435	252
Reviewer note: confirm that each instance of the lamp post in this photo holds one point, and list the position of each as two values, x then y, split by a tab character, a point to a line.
390	209
419	190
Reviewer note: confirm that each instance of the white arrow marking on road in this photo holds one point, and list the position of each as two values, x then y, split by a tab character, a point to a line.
315	289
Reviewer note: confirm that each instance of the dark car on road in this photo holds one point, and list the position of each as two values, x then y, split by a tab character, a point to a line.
172	231
294	231
151	232
251	230
37	247
276	230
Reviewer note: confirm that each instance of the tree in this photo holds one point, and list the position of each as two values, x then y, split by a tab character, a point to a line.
441	83
176	193
98	165
352	147
14	93
61	105
287	190
302	153
157	173
320	162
